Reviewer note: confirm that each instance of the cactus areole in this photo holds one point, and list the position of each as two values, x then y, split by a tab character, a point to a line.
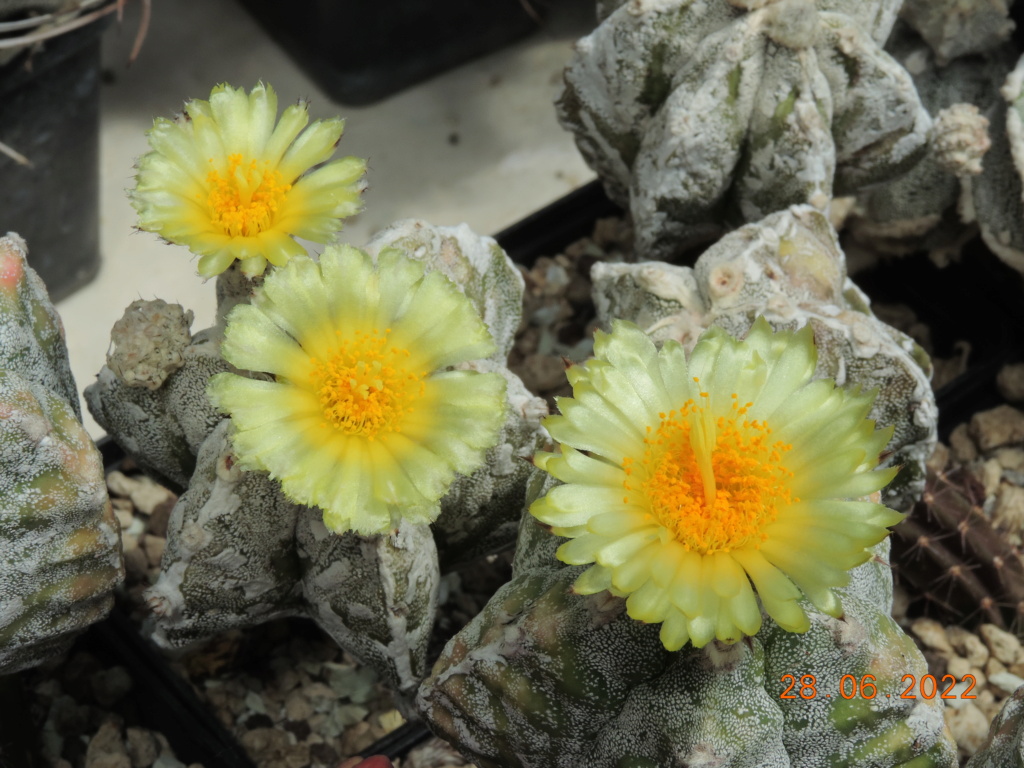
693	486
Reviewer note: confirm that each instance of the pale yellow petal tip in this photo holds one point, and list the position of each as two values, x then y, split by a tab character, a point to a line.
222	181
714	481
370	431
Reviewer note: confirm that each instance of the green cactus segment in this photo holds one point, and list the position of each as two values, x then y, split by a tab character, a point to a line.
872	16
546	677
61	551
230	559
239	553
998	194
163	427
375	595
476	264
816	101
919	209
480	512
1004	747
31	331
789	269
863	656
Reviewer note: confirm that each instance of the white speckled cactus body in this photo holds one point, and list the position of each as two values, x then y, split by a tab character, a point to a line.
997	195
956	28
60	550
930	207
1004	746
789	269
699	116
545	677
240	552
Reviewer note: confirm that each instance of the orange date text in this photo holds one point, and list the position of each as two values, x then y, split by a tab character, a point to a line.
864	687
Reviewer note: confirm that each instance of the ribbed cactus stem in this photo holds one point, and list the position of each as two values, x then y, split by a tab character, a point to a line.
949	551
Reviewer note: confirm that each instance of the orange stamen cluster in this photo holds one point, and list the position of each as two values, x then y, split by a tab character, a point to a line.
714	483
245	202
365	388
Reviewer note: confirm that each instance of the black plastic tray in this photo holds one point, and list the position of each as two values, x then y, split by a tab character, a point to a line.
359	53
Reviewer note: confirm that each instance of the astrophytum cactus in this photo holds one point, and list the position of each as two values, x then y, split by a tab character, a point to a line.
956	28
789	269
241	551
1004	746
699	116
544	676
997	195
60	550
931	206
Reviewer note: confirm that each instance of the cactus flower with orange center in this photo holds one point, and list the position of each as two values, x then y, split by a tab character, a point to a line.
708	490
370	413
228	180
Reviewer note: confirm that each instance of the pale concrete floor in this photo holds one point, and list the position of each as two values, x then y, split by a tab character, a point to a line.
511	157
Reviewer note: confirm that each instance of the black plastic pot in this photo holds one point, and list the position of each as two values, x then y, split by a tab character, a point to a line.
50	115
360	51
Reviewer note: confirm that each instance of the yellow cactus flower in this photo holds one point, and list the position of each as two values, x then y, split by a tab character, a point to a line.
694	486
227	182
368	415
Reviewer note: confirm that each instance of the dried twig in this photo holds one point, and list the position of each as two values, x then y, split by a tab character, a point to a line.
80	21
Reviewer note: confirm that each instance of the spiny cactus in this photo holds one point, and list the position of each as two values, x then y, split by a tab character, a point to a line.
241	552
698	116
60	550
546	677
950	553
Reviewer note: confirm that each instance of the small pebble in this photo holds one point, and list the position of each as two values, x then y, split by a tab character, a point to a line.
297	707
969	727
958	667
998	426
961	446
106	749
1008	513
1001	644
1007	682
1010	458
968	645
124	510
141	747
990	475
939	459
136	564
932	635
994	666
1010	382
